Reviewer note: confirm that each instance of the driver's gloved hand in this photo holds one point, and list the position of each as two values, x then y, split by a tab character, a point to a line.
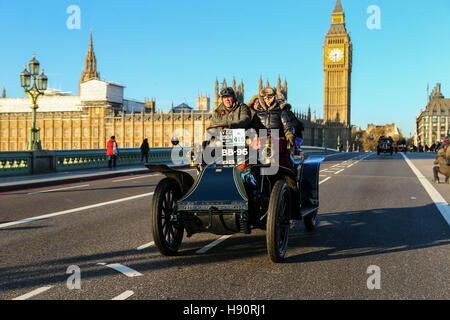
291	138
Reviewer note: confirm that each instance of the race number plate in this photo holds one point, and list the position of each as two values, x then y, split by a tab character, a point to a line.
233	137
234	149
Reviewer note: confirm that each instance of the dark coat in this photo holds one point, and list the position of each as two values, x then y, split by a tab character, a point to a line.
273	118
145	148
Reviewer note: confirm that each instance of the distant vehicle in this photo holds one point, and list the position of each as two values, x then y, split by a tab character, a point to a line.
385	145
401	146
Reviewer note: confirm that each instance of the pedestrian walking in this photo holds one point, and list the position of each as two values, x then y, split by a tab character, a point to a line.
145	149
112	151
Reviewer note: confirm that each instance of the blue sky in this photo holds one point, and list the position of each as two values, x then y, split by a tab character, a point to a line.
170	50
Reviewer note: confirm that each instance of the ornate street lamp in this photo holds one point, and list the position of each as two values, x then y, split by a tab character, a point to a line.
34	90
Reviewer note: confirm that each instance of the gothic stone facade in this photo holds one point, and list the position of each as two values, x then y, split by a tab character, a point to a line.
432	124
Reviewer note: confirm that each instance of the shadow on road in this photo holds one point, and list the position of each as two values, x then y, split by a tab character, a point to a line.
343	235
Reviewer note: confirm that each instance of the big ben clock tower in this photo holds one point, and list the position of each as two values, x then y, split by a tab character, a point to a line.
337	65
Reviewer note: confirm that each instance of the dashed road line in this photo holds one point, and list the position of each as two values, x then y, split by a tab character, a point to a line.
123	296
212	244
337	172
324	180
124	270
33	293
145	246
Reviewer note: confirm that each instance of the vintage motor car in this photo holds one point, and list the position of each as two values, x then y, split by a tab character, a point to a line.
385	145
233	195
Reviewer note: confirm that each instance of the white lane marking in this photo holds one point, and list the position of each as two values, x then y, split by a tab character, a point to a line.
123	296
145	246
212	244
124	269
60	213
337	172
350	165
438	200
52	190
32	293
325	180
140	177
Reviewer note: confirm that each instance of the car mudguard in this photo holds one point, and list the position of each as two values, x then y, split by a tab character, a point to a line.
184	179
309	184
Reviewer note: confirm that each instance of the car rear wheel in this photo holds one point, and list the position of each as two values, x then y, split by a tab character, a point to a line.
167	231
278	221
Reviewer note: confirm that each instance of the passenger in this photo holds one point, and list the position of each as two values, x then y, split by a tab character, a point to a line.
270	116
231	113
253	104
442	168
296	123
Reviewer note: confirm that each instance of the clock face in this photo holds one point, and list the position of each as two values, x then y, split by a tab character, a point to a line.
336	55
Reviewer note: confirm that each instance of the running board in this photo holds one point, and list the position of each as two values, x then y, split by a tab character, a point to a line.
308	210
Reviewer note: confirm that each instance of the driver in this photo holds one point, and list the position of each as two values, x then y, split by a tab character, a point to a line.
231	113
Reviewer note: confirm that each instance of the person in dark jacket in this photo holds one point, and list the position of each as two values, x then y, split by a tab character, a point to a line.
145	148
270	116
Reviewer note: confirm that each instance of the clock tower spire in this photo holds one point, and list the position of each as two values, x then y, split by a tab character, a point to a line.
337	65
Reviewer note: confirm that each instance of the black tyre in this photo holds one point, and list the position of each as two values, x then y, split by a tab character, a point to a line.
311	221
167	234
278	221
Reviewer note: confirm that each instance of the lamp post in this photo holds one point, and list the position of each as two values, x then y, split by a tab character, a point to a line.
34	90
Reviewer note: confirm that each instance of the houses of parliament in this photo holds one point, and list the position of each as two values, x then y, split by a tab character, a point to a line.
87	120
